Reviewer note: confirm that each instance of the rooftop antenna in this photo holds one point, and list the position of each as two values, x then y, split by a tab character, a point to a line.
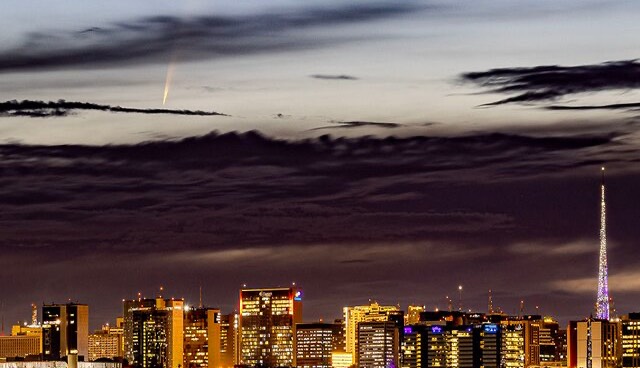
490	306
200	305
460	298
34	314
521	309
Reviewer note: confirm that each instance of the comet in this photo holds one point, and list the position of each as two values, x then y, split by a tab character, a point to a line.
167	83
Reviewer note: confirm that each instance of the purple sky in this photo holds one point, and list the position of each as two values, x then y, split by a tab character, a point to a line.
378	150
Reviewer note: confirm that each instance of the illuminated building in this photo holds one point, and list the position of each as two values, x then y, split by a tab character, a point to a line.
413	315
437	345
229	342
378	344
631	341
314	343
598	344
513	352
105	343
339	343
341	359
476	346
415	346
153	332
521	341
268	320
373	312
202	338
550	344
19	346
572	344
459	348
65	330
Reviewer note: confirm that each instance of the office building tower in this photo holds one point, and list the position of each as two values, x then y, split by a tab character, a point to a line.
415	346
268	320
65	330
154	332
373	312
459	348
598	344
631	341
201	338
475	346
314	345
339	342
378	344
550	344
521	341
341	359
105	343
229	340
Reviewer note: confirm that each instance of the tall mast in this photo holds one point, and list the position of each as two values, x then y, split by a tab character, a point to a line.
602	303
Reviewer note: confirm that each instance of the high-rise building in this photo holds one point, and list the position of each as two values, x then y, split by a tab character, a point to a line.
202	338
65	330
341	359
154	332
437	345
550	344
521	341
598	344
339	342
105	343
631	341
459	348
314	345
378	344
415	346
602	302
229	340
268	320
373	312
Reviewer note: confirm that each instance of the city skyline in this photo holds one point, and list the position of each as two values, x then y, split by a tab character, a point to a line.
362	149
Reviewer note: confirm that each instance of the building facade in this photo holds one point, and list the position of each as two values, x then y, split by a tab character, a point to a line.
378	344
65	330
268	320
314	345
154	332
631	341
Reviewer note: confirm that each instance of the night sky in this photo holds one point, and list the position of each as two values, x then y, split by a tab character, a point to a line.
363	149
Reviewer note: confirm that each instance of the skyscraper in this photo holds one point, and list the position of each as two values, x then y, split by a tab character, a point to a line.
268	320
201	337
598	344
314	342
229	340
378	344
631	341
154	332
65	330
373	312
602	303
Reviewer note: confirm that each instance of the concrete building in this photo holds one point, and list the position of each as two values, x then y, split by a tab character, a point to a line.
154	332
598	344
631	340
378	344
65	330
268	320
314	345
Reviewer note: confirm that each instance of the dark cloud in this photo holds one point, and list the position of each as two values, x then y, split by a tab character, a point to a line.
544	83
157	39
43	109
334	77
620	106
359	124
396	219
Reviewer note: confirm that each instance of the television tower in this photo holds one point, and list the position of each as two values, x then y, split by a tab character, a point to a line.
602	303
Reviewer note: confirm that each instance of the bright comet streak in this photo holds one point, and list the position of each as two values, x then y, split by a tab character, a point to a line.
167	83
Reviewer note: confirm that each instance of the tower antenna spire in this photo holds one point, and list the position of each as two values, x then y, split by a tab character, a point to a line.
602	302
